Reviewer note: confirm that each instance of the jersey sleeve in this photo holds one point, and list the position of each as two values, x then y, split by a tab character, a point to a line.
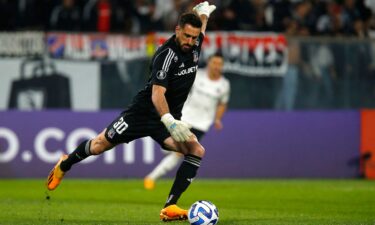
225	97
200	41
161	67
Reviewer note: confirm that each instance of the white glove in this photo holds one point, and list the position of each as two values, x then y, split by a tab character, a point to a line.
179	130
204	8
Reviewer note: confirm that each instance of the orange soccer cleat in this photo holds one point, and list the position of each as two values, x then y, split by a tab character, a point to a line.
173	212
56	175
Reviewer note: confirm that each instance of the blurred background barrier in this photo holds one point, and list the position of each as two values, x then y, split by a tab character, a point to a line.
311	144
266	70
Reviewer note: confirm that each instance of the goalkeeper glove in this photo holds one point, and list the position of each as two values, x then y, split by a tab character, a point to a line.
204	8
180	131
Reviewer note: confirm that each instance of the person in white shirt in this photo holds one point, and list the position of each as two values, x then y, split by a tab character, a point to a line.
206	105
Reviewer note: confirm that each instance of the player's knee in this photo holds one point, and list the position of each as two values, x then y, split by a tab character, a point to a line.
198	151
99	145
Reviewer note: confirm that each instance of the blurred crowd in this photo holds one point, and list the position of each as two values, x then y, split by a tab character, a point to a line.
294	17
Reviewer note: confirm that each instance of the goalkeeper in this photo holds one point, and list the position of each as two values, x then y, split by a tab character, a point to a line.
206	105
156	110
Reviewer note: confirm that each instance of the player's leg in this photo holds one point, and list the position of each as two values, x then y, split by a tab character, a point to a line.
187	171
110	137
194	153
168	163
95	146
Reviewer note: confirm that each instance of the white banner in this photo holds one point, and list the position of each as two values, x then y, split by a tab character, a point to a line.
96	46
21	43
245	53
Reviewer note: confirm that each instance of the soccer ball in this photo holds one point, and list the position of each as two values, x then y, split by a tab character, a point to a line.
203	213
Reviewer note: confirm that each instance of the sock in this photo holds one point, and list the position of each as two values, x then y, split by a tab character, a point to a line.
167	164
79	154
184	177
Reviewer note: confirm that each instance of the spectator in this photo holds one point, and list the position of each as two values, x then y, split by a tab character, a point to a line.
282	14
168	11
123	17
349	15
107	15
300	16
260	23
150	16
242	13
366	18
330	23
286	99
359	28
65	17
323	74
7	15
29	15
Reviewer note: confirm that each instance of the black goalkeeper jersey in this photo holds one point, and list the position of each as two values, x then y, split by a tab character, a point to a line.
173	69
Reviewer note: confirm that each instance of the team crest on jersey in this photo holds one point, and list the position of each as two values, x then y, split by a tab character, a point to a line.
195	56
197	42
161	74
175	58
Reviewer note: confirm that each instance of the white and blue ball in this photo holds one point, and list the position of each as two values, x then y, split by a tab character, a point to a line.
203	213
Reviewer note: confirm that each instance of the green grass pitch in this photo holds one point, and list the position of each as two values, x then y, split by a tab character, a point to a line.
240	202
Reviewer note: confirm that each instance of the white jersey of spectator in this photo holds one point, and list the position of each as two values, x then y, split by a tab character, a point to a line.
200	107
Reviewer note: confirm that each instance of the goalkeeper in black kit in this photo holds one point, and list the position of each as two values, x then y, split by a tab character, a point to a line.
156	111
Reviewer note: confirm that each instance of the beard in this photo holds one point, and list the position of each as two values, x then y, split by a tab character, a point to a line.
184	47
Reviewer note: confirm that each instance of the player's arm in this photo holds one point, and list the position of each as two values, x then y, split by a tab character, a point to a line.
180	131
158	99
161	64
204	10
220	110
204	20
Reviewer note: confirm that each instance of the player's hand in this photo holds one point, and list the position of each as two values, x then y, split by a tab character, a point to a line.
204	8
179	130
218	125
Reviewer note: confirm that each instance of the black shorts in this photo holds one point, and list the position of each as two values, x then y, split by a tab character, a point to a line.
198	133
128	127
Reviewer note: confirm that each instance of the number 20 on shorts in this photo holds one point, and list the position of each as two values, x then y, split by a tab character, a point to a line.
120	126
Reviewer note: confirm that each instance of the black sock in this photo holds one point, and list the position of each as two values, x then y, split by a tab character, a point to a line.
184	177
79	154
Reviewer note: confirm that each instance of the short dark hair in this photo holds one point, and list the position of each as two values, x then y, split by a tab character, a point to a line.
216	54
190	18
